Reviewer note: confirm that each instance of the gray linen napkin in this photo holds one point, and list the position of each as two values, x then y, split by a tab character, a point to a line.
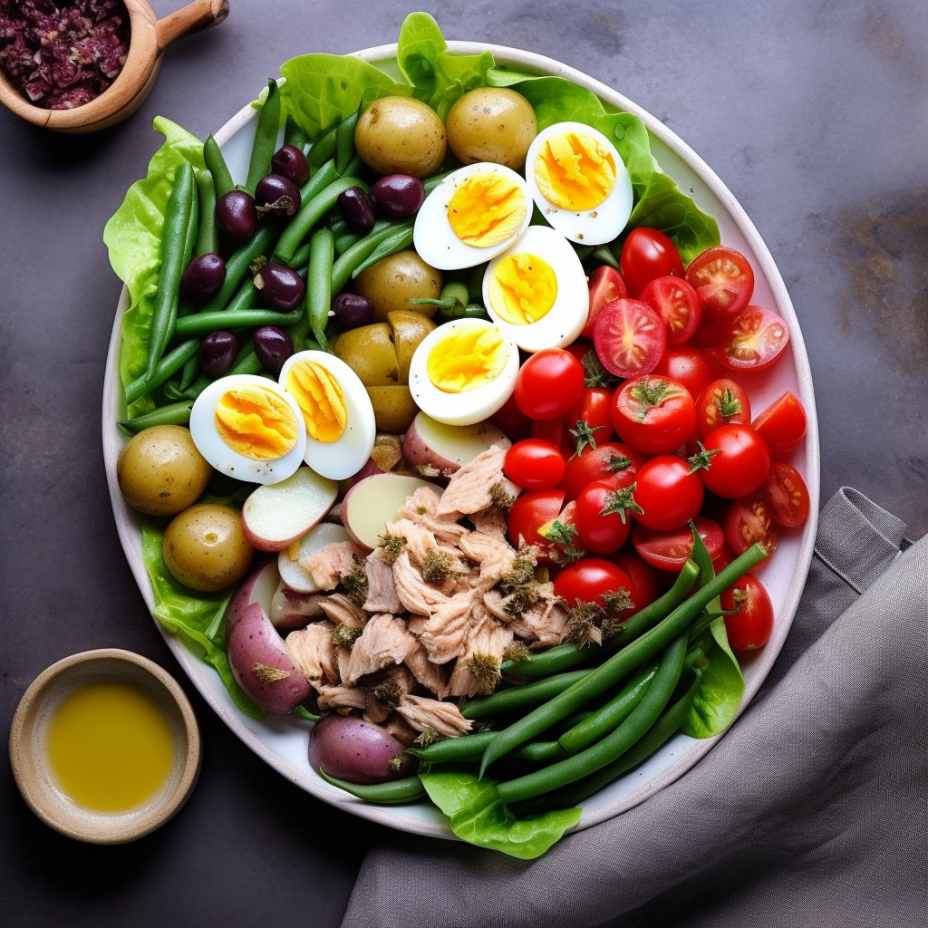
810	811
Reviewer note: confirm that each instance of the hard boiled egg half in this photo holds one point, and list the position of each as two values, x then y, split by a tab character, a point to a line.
536	291
579	182
464	371
473	215
336	412
246	426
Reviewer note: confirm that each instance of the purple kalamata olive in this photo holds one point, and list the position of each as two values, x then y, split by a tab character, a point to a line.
237	215
279	287
397	196
218	353
352	310
357	209
203	277
290	162
273	346
278	195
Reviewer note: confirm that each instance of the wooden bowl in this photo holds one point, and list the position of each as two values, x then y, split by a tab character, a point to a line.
148	38
29	747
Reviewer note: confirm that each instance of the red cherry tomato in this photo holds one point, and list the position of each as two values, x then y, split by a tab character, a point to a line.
549	383
534	464
612	462
605	285
602	524
741	463
655	415
668	492
590	418
750	520
554	431
630	338
782	425
645	587
751	626
788	495
588	580
670	549
647	254
690	366
677	303
580	348
723	402
752	341
531	510
514	423
724	280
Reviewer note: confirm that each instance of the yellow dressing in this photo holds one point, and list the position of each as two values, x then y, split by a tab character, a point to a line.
486	209
522	289
110	746
574	171
256	422
320	398
467	358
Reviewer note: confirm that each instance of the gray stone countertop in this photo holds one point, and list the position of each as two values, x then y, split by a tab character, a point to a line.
813	114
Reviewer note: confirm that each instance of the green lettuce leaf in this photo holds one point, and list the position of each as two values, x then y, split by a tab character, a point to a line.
721	685
478	816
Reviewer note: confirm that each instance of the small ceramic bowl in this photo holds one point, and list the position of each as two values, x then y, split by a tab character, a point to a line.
29	739
148	38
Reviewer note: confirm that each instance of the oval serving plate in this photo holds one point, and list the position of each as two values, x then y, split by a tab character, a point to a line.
282	741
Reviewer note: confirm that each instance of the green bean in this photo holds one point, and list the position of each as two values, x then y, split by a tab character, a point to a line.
246	297
310	213
208	233
407	789
193	226
204	323
217	167
434	181
173	241
166	368
344	142
301	712
522	696
343	268
475	283
616	743
454	750
175	414
399	240
294	134
541	752
300	256
238	264
189	371
265	143
564	656
319	283
345	241
619	664
323	148
247	361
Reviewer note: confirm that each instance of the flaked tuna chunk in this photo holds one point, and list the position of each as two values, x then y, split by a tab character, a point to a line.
422	508
543	624
341	697
492	519
400	729
314	652
425	551
385	690
494	555
471	488
342	658
426	714
331	562
291	610
381	590
416	595
476	673
384	641
342	611
432	676
445	632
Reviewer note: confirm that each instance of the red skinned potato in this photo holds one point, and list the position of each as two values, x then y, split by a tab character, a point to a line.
374	501
352	749
260	661
448	447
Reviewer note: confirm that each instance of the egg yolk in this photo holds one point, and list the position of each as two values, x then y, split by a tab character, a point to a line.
574	171
256	423
320	398
467	359
522	289
486	209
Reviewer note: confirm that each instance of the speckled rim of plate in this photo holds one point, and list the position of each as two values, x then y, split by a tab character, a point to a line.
281	742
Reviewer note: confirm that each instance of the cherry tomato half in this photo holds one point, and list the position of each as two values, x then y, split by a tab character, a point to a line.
549	383
740	464
751	626
534	464
750	520
670	549
647	254
531	510
630	338
782	425
788	495
654	414
602	523
690	366
605	285
677	303
723	402
588	580
753	340
724	280
612	462
668	491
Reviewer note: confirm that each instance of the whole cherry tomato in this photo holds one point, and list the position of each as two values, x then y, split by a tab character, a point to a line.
690	366
612	462
534	464
655	415
602	519
549	383
589	580
751	626
647	254
740	461
668	492
531	510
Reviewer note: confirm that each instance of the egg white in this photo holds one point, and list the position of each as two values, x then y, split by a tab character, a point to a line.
594	226
435	240
220	456
345	456
460	408
561	325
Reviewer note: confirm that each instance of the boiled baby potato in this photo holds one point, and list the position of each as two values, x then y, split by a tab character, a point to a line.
370	352
409	329
395	280
161	472
394	408
401	135
491	124
205	547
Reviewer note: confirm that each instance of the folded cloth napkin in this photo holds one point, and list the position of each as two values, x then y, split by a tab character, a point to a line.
810	811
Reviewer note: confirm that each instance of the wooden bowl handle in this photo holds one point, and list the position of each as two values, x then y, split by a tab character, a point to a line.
194	17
